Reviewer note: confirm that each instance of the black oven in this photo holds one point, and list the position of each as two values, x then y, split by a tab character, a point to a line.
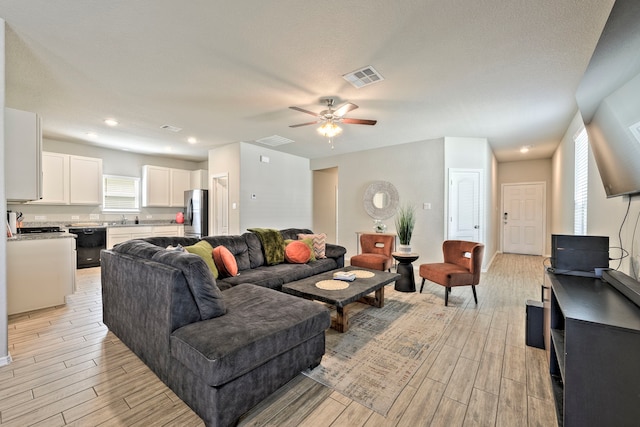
90	241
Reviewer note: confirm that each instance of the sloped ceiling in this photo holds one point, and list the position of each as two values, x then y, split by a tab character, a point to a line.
228	71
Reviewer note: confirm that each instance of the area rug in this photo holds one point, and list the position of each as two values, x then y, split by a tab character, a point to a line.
375	359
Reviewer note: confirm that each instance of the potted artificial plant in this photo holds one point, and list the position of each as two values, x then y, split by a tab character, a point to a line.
405	221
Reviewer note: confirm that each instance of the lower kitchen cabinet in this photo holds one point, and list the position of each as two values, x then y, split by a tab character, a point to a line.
40	273
117	235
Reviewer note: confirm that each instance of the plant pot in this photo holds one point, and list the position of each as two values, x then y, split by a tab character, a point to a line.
405	249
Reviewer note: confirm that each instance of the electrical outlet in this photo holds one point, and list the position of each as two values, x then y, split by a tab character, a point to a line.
94	216
149	216
75	217
426	206
41	218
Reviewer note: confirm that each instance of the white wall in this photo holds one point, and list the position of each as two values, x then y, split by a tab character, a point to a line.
325	207
4	346
282	189
604	216
226	160
415	169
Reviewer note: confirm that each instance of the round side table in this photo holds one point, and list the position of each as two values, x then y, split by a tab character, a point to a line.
406	282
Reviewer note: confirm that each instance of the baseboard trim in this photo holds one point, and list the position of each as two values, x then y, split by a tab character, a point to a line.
5	360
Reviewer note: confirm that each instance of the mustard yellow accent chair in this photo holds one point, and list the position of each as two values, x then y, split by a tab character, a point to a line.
376	252
461	267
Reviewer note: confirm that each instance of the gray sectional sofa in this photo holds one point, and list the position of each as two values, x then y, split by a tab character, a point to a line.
221	347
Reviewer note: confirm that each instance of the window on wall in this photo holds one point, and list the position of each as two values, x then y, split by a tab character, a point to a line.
120	194
580	181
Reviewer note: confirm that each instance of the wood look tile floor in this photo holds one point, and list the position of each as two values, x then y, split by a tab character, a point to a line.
68	369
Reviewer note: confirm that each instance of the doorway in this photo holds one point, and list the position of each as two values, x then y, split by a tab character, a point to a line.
464	204
523	218
220	205
325	203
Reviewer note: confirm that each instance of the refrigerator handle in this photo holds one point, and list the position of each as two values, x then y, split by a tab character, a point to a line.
190	212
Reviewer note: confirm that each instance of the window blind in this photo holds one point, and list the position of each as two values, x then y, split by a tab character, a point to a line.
121	193
581	175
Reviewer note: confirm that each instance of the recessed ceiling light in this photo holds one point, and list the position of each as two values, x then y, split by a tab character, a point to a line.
191	140
111	122
92	135
525	149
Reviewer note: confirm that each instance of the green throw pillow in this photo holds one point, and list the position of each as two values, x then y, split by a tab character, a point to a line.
205	251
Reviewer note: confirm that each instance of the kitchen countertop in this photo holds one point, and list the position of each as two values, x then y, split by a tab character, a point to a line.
40	236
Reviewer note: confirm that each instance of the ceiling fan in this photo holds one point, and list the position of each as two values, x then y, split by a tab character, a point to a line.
330	118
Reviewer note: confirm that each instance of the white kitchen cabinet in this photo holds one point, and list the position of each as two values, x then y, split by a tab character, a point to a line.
164	187
85	180
40	273
168	230
23	155
199	179
55	179
180	182
70	180
117	235
155	186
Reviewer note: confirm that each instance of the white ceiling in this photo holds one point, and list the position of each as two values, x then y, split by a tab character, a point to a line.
228	71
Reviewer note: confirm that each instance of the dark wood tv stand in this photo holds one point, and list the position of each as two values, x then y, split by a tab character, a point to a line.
593	333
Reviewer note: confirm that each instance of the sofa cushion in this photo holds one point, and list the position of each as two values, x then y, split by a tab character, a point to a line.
272	244
297	252
263	276
260	325
138	248
200	280
319	243
225	261
254	246
237	245
204	250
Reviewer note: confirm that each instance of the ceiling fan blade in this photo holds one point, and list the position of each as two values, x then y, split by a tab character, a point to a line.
305	124
344	109
302	110
358	121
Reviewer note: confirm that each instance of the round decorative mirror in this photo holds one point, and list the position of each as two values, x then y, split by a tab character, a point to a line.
381	200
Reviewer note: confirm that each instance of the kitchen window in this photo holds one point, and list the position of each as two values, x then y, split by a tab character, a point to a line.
581	181
121	193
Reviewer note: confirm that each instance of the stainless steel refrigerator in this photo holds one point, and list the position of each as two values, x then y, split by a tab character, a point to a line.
196	216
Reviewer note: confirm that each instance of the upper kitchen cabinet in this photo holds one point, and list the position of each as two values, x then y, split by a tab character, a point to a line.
85	180
23	155
71	180
199	179
180	182
164	187
155	186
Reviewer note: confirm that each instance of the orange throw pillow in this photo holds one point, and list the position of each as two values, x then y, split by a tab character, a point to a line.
225	261
297	252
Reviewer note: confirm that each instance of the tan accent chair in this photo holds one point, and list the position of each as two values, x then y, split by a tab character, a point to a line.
461	267
376	252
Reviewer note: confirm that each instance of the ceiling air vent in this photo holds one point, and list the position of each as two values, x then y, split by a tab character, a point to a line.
274	141
171	128
363	77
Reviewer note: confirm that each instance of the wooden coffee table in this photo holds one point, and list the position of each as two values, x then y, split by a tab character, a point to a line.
357	291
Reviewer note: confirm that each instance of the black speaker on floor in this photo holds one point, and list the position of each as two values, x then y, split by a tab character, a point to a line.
534	336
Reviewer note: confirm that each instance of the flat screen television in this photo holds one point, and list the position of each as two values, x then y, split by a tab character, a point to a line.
609	101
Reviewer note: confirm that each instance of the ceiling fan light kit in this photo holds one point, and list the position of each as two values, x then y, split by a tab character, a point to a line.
330	119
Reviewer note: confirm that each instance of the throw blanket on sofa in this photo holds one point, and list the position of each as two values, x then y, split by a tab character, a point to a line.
272	244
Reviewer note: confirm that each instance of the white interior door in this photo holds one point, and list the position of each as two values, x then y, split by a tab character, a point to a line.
220	206
464	205
523	218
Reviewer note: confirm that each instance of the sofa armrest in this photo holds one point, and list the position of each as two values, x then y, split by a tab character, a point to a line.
334	251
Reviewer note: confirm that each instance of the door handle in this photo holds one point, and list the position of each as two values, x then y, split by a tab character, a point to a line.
476	226
505	217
